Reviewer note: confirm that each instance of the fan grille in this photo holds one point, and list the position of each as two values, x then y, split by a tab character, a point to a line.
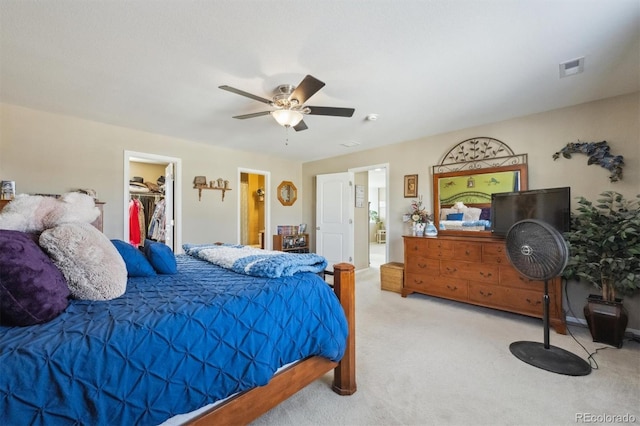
536	249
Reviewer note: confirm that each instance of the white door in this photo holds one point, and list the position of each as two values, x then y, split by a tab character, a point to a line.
334	217
168	200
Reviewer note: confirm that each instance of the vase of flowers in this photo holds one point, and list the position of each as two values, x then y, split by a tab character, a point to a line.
419	217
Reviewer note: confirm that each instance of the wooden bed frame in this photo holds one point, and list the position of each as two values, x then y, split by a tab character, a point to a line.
251	404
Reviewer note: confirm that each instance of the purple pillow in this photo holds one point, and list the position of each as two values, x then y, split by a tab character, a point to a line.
32	288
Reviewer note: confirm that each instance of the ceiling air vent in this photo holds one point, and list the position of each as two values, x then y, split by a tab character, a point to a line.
572	67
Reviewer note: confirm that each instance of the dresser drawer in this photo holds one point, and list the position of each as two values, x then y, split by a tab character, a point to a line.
469	252
416	281
451	288
510	299
416	246
511	278
469	271
494	253
421	264
441	249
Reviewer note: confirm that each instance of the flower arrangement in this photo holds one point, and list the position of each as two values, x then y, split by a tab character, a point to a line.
419	213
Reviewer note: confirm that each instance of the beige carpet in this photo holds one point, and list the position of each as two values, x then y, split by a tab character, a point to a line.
428	361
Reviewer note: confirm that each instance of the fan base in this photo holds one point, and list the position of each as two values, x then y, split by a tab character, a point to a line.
554	359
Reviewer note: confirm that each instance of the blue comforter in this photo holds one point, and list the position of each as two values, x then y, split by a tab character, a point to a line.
169	345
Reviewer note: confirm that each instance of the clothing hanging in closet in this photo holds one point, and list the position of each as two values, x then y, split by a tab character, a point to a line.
136	222
158	223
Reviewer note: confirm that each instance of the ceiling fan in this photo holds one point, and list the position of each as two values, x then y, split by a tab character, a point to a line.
289	101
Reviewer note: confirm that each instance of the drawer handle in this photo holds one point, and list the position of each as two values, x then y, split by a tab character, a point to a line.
488	275
498	260
417	281
452	288
451	269
421	265
467	252
486	294
537	302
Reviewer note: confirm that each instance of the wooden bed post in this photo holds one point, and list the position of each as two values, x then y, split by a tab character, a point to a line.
344	376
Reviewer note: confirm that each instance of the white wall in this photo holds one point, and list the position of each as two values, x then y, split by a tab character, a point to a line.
616	120
50	153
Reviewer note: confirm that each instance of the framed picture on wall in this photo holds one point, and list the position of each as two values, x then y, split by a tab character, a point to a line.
410	186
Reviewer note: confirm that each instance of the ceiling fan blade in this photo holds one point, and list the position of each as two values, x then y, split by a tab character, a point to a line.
243	93
255	114
336	112
306	89
300	126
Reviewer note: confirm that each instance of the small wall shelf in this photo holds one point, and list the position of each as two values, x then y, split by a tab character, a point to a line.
200	188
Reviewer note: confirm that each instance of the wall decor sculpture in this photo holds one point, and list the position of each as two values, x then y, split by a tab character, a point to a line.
598	153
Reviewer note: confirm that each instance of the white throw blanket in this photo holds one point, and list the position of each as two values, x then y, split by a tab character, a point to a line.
257	262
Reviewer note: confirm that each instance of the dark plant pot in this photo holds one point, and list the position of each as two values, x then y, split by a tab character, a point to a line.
607	321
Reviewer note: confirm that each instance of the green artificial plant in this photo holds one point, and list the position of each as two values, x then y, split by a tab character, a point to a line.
604	244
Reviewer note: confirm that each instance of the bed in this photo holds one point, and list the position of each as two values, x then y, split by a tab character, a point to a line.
462	218
173	343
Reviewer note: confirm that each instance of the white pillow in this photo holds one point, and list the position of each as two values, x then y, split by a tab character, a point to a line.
34	213
88	260
471	214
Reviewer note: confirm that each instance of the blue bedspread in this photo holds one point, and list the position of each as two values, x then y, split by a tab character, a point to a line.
169	345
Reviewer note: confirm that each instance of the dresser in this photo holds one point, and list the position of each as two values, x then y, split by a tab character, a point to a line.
476	270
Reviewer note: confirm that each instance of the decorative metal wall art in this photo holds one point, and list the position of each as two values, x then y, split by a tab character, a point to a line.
598	153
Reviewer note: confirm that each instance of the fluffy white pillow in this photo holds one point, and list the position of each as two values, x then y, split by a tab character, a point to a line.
34	213
88	260
471	214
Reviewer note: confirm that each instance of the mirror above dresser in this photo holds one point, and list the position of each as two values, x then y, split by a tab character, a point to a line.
466	178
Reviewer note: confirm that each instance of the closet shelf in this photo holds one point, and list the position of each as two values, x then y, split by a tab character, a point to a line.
200	188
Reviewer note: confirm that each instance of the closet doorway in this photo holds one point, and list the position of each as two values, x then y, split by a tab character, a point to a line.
254	210
152	199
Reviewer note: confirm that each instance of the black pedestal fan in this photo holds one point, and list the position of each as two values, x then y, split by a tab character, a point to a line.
538	251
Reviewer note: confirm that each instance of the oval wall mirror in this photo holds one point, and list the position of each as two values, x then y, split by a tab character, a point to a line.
287	193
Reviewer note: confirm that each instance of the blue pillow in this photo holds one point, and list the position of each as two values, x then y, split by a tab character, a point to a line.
455	216
161	257
137	264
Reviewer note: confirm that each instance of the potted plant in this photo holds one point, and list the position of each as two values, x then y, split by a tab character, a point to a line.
604	250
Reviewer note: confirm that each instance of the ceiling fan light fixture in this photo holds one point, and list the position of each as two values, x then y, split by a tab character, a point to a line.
287	117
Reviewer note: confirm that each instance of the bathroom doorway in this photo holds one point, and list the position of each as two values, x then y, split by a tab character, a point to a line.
254	208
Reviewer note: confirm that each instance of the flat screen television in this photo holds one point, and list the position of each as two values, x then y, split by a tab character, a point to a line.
552	205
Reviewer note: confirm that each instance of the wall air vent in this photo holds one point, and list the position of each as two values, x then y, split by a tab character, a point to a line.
572	67
350	144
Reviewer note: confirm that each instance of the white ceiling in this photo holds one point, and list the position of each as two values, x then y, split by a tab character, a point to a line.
425	67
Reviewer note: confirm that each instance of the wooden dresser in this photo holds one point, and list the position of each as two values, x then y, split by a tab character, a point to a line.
476	270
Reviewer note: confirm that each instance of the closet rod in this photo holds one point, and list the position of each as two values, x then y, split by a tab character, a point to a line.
156	196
